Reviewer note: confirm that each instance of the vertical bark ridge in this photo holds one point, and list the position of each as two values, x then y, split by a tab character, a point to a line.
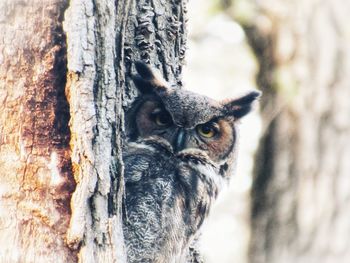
104	38
95	227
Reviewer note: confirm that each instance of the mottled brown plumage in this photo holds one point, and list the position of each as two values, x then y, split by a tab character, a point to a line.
181	150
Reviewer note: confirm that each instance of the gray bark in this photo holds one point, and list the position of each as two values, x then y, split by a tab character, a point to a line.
46	86
103	41
300	210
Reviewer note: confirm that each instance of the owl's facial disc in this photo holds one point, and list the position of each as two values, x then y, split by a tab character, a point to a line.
189	138
152	119
161	117
186	119
216	137
208	130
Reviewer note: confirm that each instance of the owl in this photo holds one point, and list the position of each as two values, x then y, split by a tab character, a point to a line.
180	152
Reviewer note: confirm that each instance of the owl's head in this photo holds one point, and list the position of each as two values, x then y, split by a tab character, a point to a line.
185	119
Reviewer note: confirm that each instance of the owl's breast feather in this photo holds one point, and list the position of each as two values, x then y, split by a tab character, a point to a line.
168	196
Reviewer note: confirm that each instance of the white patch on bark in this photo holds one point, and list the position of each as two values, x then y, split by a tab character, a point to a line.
56	178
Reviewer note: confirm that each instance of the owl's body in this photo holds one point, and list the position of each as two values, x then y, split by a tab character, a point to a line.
180	153
167	197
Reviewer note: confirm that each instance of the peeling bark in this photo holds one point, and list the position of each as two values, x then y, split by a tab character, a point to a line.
36	178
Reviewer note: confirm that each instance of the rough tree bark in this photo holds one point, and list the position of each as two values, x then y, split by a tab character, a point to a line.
63	88
300	210
36	181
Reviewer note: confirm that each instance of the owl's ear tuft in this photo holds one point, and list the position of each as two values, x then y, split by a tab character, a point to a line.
145	71
142	85
241	106
148	79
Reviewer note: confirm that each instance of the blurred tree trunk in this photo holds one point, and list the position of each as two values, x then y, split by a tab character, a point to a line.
63	87
301	196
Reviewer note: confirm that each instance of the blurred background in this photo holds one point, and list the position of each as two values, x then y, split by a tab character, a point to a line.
289	200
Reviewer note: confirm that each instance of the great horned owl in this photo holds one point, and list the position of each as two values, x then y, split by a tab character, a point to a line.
180	152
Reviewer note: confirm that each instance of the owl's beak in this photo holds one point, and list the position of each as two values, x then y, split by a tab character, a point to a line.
179	142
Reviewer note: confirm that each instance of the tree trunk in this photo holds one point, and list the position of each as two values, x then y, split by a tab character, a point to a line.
35	166
63	88
300	210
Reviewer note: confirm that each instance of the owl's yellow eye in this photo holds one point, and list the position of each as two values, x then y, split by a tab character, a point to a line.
207	130
161	117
